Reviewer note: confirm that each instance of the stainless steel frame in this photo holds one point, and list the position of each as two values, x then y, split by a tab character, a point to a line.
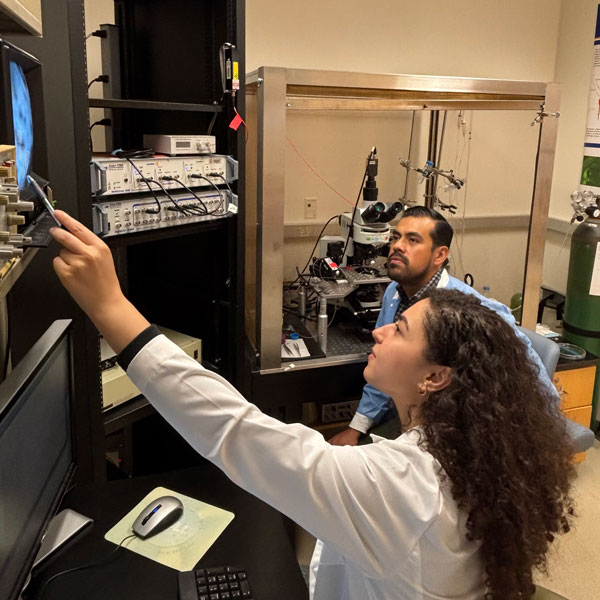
277	90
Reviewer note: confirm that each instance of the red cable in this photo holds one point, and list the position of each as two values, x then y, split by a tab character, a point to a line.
319	176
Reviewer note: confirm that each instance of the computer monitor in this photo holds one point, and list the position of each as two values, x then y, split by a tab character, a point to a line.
22	121
36	451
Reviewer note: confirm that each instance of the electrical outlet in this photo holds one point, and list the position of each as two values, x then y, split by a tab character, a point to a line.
304	231
310	208
338	411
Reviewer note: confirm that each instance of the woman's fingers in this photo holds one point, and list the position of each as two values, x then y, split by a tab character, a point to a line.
77	229
68	240
68	257
77	240
61	268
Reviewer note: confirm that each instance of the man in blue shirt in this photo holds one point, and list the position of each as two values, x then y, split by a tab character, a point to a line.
417	258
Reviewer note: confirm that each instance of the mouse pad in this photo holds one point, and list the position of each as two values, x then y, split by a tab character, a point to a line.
184	543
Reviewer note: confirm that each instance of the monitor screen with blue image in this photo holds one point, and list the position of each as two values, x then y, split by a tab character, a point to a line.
22	122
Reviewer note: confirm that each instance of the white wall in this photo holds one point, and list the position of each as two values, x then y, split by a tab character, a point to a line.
511	40
573	71
535	40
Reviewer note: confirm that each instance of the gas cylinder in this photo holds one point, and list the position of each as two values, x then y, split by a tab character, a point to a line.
581	322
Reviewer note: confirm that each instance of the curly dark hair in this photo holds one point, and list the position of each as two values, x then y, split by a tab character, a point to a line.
500	439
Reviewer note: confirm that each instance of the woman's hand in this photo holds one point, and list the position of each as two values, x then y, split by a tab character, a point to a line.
85	267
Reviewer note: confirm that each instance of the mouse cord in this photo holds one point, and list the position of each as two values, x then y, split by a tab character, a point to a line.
88	565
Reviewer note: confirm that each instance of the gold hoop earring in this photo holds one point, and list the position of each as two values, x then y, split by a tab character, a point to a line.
421	388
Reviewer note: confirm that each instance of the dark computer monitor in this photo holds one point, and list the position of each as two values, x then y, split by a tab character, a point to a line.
36	451
22	121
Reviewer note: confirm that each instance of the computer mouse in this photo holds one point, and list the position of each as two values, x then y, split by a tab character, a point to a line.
157	516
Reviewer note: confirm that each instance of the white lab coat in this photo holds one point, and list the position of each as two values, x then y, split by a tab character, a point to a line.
388	528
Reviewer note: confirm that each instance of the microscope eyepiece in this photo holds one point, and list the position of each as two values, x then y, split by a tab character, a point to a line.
391	212
373	212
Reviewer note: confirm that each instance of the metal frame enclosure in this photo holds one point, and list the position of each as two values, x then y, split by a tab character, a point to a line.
272	91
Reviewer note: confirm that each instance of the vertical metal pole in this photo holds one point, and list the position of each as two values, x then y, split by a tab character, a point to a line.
434	120
111	66
322	324
536	241
301	301
441	148
271	97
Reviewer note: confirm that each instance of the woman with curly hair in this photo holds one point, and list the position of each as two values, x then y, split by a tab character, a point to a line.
463	505
499	438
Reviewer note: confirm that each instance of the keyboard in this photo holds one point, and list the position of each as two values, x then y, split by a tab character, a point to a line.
218	583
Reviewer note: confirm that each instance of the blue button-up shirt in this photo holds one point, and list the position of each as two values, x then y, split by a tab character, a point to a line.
375	404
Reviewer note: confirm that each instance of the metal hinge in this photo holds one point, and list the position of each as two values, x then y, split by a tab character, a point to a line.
541	115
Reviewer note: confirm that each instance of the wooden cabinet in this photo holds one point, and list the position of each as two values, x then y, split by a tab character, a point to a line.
575	383
576	387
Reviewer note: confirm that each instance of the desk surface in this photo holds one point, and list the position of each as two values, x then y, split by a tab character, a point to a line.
256	539
564	364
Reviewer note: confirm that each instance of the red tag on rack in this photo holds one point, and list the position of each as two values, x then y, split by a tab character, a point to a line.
236	122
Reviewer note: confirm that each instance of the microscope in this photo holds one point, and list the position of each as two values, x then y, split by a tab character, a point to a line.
346	275
364	237
367	228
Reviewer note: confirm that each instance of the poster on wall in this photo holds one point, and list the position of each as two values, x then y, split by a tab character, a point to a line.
590	170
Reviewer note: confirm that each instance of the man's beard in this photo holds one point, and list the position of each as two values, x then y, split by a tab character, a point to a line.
406	274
